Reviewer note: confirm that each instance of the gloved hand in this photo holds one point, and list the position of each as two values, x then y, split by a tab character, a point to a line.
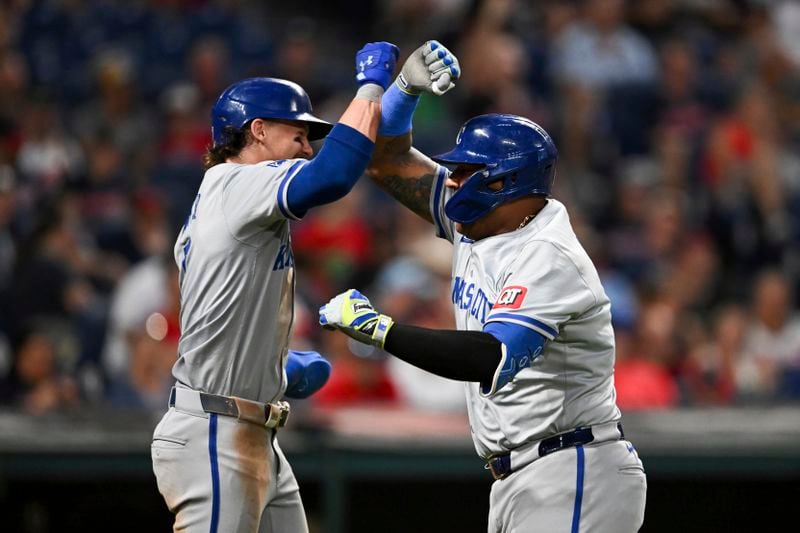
352	313
375	63
306	373
431	68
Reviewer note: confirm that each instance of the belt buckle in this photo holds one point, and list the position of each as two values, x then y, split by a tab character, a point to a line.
278	414
497	459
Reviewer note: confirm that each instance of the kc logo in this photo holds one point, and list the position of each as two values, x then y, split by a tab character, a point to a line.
511	298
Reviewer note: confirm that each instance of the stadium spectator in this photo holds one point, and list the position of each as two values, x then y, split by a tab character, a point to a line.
595	55
642	374
708	371
43	377
772	345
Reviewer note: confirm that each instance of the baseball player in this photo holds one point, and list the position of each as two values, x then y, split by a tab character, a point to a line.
215	454
534	343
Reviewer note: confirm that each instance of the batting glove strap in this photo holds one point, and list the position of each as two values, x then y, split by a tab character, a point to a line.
352	313
382	327
370	91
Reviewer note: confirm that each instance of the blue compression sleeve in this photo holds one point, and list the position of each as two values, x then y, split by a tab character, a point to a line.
397	109
330	175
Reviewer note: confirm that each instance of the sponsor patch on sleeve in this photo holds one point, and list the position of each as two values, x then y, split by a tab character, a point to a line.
511	297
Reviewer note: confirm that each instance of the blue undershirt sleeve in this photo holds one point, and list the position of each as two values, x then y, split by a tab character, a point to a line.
519	340
520	346
330	176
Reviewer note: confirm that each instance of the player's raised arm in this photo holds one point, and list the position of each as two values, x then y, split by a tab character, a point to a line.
398	168
349	145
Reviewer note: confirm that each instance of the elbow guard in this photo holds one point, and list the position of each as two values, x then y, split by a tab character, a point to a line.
520	347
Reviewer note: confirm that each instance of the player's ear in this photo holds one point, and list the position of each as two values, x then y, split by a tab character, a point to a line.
258	129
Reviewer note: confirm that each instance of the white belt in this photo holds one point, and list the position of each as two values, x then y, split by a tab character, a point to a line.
271	415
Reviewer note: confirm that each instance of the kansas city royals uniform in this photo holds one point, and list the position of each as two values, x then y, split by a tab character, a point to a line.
236	276
539	277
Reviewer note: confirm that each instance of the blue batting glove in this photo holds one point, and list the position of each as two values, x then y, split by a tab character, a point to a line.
306	373
375	63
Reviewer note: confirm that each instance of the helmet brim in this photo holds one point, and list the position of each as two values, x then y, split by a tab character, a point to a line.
459	156
317	128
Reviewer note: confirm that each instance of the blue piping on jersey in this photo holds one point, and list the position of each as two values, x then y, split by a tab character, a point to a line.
520	341
525	319
282	190
186	248
212	455
576	512
437	193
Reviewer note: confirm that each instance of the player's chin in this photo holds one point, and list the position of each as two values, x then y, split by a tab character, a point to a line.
467	230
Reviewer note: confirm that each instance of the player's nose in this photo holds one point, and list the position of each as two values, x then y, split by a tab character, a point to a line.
306	150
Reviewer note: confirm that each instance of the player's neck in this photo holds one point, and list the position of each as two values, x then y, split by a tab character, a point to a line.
516	215
257	152
248	156
505	219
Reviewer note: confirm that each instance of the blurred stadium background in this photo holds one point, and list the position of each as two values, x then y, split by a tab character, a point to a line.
678	123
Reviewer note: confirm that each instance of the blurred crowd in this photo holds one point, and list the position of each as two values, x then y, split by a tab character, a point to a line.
678	124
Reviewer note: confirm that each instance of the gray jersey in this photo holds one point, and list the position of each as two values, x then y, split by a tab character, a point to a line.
237	282
541	278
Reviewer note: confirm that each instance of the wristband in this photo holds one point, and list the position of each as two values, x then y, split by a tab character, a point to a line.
370	91
382	328
397	110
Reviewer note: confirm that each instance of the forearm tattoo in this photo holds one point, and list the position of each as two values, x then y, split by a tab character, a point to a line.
412	192
404	173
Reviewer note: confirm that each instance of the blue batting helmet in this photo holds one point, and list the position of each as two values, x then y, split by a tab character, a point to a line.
267	98
512	149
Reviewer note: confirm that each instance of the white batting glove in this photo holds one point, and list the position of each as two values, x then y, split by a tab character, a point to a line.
431	68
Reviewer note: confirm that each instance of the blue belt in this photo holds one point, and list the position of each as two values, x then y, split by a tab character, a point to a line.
500	464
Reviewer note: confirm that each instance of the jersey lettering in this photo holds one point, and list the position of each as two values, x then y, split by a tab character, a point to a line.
284	258
511	297
467	296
